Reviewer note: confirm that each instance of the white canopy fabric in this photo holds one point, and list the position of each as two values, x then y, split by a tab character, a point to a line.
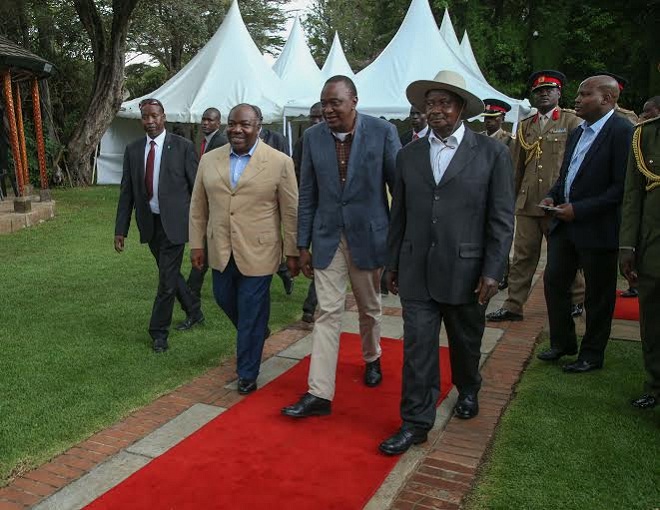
227	71
300	75
382	85
336	63
449	34
468	55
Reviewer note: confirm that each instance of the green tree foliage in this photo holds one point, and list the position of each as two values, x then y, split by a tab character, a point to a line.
141	79
512	38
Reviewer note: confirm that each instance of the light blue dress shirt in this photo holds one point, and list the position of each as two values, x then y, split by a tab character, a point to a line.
237	164
589	134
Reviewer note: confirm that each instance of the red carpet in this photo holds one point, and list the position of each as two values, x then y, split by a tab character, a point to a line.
252	457
626	308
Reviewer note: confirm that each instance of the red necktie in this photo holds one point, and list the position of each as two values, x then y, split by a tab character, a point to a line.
415	136
149	171
203	146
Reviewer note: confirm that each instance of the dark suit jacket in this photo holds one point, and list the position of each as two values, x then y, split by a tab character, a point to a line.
178	168
444	237
275	140
360	209
217	140
597	190
406	137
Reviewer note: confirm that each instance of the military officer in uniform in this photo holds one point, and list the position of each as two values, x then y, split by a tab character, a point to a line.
494	112
538	153
639	251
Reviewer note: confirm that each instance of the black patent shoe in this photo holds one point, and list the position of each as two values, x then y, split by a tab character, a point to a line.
502	315
372	374
402	441
308	405
246	386
645	402
467	407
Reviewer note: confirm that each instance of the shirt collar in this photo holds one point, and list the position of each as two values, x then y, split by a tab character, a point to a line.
454	139
495	133
211	135
160	139
598	125
422	132
249	153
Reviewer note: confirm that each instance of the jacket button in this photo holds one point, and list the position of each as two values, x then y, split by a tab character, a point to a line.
436	197
434	221
540	180
344	203
433	244
540	166
231	213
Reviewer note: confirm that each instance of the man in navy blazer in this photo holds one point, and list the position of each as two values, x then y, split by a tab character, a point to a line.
584	232
343	214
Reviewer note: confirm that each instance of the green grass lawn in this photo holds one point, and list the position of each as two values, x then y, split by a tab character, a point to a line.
75	355
574	442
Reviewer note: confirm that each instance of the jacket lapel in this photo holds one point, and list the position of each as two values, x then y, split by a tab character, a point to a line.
223	166
326	146
424	157
165	157
463	156
139	163
594	146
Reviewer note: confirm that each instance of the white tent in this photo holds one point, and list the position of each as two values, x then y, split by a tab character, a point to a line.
468	55
449	34
227	71
336	63
417	52
300	75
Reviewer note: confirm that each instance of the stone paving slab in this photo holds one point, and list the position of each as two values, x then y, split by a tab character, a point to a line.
174	431
98	481
299	350
390	326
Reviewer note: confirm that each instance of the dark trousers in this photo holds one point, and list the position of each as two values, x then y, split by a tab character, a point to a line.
649	326
246	301
600	270
196	276
309	306
421	344
171	284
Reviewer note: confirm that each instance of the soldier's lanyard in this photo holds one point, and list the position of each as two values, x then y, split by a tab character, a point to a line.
652	180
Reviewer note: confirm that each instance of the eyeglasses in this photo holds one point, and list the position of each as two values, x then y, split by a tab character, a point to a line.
151	101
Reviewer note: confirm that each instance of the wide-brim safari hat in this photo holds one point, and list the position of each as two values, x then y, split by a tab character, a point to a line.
444	80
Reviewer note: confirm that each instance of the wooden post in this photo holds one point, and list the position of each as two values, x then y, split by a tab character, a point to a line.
13	134
21	136
39	134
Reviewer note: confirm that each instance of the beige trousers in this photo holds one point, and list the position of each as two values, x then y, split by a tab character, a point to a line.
331	284
527	242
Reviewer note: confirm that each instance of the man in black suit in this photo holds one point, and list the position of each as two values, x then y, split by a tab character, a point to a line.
157	181
450	233
213	138
584	233
419	126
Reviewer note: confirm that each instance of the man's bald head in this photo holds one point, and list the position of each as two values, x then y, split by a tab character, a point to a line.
596	96
607	85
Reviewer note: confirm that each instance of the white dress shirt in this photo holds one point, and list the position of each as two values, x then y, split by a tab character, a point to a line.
589	134
160	140
421	133
442	151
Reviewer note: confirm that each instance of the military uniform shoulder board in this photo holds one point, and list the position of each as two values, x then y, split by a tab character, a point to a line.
623	110
529	117
568	110
648	121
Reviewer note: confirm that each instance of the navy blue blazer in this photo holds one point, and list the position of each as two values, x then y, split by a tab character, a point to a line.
360	210
597	189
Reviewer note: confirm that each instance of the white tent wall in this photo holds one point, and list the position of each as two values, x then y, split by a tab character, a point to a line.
468	55
336	62
113	143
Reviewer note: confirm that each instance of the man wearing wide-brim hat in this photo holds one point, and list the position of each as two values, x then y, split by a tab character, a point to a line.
450	234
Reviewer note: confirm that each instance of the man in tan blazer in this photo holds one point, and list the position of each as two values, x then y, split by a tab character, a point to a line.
245	195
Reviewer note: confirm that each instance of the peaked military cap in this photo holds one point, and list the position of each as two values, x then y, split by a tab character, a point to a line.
495	107
547	78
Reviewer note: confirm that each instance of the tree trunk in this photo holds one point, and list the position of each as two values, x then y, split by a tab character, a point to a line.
109	48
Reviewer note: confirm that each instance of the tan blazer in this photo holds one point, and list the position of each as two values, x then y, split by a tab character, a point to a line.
248	220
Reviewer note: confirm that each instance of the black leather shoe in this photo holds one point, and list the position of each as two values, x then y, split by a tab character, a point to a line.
631	292
577	310
502	315
287	281
467	407
401	441
503	284
308	317
190	322
580	366
644	402
554	354
160	346
246	386
372	374
308	405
